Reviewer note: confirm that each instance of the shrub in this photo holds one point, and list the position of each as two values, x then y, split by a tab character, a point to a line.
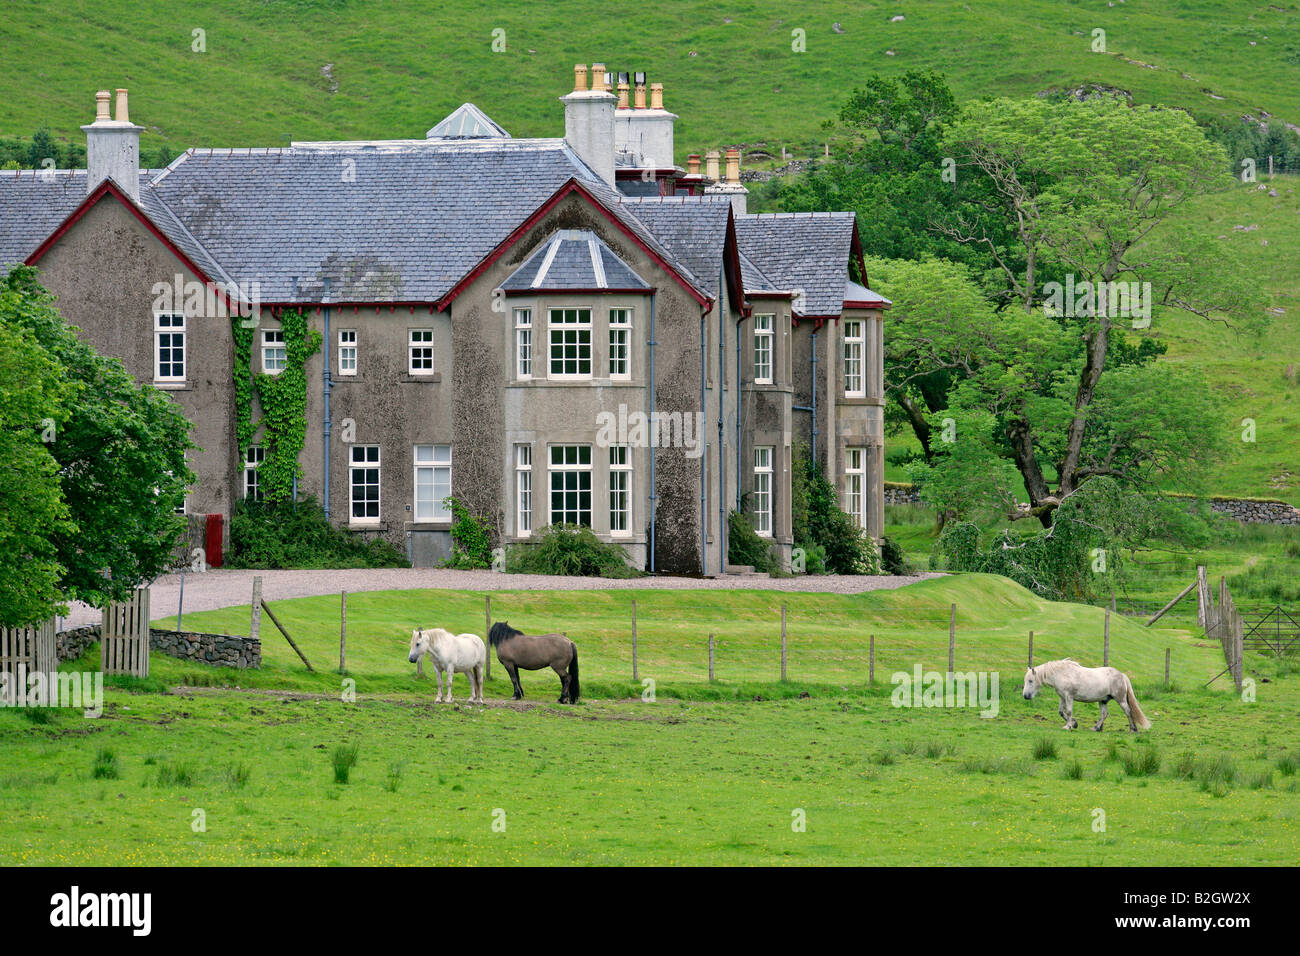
1143	762
344	759
818	522
1045	749
174	775
568	550
298	535
745	546
1073	770
106	766
471	539
892	560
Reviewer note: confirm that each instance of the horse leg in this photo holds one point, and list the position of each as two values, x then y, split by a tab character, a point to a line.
1101	721
1067	710
563	675
437	672
1128	712
513	671
475	685
451	677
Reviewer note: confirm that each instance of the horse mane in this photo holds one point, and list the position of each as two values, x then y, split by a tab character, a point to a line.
502	631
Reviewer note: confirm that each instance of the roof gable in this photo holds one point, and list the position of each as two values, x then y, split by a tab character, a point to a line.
804	253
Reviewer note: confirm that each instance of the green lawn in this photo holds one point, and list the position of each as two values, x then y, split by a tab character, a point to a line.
703	774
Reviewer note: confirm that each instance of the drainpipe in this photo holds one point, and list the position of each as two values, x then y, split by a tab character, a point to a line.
704	458
814	398
328	422
722	424
739	400
293	297
654	501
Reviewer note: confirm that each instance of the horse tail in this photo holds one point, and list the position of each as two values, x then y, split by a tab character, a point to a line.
1139	718
573	677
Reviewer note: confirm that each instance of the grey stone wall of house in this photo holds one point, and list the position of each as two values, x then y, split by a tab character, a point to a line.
218	650
103	270
767	418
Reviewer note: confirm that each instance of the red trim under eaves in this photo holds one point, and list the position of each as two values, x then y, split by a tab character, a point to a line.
570	187
110	188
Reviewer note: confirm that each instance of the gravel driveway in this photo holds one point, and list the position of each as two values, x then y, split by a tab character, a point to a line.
216	589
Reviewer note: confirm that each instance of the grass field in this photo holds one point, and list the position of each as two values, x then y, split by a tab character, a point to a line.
312	69
704	774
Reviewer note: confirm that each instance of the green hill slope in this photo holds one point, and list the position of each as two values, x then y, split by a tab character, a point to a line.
374	68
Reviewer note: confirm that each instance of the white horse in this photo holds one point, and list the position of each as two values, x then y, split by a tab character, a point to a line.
451	653
1072	681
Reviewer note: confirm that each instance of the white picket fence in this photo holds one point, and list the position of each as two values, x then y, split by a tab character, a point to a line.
124	640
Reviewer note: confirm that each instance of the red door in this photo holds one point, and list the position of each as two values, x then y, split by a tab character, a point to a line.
212	543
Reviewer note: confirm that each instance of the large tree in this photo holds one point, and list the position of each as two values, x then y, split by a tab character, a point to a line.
119	448
1094	188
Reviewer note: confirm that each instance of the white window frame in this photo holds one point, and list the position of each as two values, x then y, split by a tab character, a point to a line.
620	491
254	455
415	349
562	470
764	348
620	342
347	349
855	484
365	464
581	329
169	324
273	342
855	354
523	343
762	495
432	465
523	490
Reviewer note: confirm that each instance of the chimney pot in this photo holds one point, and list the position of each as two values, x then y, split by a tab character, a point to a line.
656	96
638	99
598	77
711	164
101	106
120	112
580	78
623	92
693	164
733	165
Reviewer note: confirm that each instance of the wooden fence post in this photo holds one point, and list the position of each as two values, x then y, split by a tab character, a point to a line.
634	673
1166	668
952	636
487	629
783	640
710	657
255	628
1105	650
287	636
1031	648
871	661
343	632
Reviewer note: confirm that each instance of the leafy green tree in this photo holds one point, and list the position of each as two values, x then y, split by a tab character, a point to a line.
120	451
1090	187
32	396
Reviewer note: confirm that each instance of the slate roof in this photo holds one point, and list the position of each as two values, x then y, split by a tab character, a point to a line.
805	250
467	121
32	207
693	227
573	259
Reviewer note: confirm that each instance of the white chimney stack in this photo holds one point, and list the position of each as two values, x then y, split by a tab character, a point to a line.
113	147
589	120
646	131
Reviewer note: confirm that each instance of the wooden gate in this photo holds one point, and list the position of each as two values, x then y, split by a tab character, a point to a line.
124	640
1223	623
31	647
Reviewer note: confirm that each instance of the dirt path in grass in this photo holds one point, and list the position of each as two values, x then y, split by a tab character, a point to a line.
217	589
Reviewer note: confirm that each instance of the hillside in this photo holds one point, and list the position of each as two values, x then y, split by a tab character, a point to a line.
275	70
310	69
